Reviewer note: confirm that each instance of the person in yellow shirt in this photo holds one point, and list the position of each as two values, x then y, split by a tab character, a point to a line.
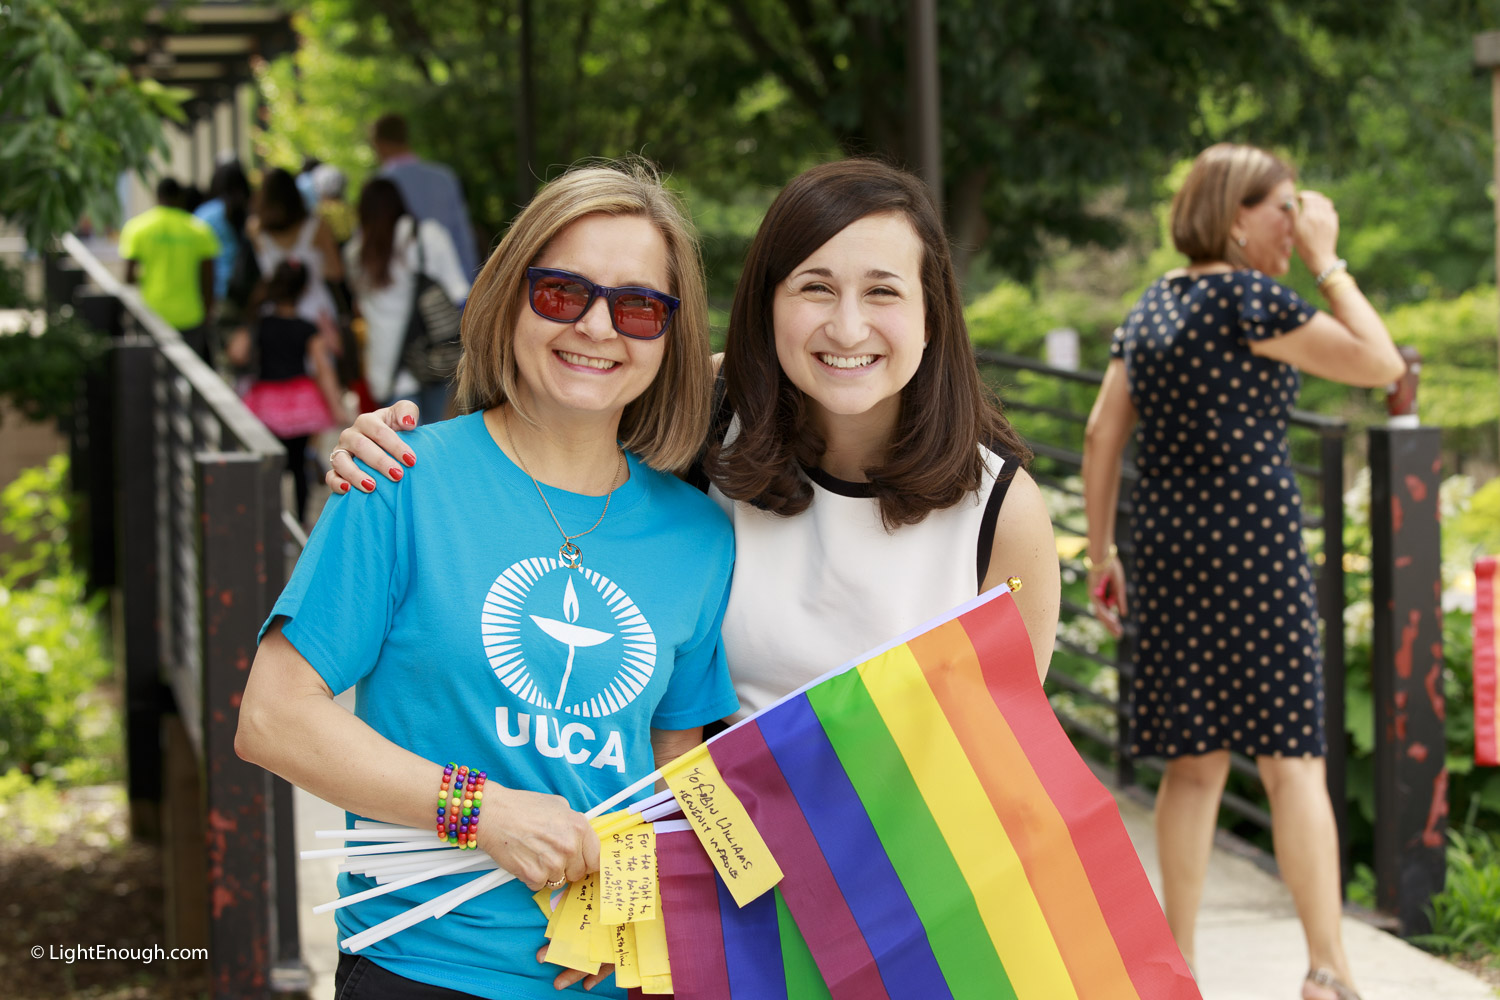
172	253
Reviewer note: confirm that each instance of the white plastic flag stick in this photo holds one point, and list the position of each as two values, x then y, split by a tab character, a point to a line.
396	864
374	836
462	864
475	867
355	852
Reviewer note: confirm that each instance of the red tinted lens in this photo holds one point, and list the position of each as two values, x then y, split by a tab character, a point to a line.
559	298
639	315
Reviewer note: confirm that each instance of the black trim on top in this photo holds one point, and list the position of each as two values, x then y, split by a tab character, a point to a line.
992	513
841	487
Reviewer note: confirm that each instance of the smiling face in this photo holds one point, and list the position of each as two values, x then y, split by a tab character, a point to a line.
586	366
1268	229
850	321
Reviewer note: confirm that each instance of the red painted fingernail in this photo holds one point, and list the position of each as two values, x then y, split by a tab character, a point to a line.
409	459
409	421
343	487
395	474
368	484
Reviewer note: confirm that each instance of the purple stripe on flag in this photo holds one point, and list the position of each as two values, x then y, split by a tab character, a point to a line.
853	850
752	946
690	907
810	890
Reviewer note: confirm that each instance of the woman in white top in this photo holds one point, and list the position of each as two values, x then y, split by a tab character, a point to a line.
382	260
872	481
281	229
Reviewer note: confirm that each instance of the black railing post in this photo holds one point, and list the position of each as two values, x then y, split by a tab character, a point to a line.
232	495
134	363
1331	608
1411	779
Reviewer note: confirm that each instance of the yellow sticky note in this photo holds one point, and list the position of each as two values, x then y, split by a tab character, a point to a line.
656	984
651	948
601	939
611	823
627	876
543	897
573	928
627	968
722	824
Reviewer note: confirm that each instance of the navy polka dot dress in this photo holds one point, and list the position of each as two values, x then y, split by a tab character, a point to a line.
1228	654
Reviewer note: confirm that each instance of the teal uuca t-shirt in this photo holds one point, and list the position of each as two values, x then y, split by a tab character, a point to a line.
442	601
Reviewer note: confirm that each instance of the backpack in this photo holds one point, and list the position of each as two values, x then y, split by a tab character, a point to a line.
432	346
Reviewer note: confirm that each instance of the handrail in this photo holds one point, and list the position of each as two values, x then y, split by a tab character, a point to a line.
200	530
247	430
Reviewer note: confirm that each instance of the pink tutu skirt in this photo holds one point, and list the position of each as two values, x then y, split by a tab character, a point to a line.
290	407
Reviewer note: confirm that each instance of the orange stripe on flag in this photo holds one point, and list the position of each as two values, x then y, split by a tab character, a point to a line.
1030	819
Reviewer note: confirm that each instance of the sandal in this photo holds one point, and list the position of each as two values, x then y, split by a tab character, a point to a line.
1323	979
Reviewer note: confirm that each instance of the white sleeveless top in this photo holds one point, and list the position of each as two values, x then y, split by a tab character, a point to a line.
815	590
317	301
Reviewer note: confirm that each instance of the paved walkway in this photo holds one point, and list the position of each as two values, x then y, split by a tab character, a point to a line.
1250	945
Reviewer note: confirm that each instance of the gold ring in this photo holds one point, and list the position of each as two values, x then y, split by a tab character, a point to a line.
557	883
335	452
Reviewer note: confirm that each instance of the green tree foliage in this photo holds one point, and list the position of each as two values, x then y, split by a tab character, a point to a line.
610	78
1043	104
71	120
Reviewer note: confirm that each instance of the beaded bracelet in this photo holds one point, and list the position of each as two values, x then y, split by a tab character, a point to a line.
459	799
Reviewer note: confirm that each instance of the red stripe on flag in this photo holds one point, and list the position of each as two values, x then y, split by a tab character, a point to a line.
690	907
810	890
1126	899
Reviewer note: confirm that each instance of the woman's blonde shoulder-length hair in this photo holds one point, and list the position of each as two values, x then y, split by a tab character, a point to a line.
666	424
1224	178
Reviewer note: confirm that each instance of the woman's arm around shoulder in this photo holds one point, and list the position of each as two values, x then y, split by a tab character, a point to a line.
1025	547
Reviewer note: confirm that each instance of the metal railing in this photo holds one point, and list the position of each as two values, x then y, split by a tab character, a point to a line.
195	489
1057	401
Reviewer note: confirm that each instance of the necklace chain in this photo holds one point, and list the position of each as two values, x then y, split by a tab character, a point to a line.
568	552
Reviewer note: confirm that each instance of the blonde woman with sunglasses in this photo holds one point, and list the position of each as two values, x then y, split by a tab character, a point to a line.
531	623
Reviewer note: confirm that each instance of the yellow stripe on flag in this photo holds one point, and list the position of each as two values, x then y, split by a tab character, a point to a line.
958	803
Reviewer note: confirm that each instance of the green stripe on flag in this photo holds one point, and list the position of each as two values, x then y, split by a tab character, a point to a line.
803	980
917	849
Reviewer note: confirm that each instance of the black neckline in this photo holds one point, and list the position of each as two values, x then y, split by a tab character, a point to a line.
841	487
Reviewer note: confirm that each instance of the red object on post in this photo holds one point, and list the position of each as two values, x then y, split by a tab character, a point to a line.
1486	664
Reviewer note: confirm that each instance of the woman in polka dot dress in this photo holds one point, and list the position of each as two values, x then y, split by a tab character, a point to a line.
1205	371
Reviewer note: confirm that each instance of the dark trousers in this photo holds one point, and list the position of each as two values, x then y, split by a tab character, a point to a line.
296	464
359	978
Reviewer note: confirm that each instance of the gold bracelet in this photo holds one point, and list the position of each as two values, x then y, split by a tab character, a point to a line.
1089	565
1336	282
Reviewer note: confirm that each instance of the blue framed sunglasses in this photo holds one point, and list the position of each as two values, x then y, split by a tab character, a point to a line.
563	297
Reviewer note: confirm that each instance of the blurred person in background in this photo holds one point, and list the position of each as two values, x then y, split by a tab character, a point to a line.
1205	370
173	254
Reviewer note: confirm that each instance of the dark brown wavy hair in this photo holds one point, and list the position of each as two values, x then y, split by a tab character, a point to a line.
380	208
933	461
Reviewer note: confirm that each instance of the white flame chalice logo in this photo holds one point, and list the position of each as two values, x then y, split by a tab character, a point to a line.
569	634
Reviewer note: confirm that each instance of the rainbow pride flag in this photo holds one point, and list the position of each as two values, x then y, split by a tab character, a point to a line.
1486	664
751	951
939	837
